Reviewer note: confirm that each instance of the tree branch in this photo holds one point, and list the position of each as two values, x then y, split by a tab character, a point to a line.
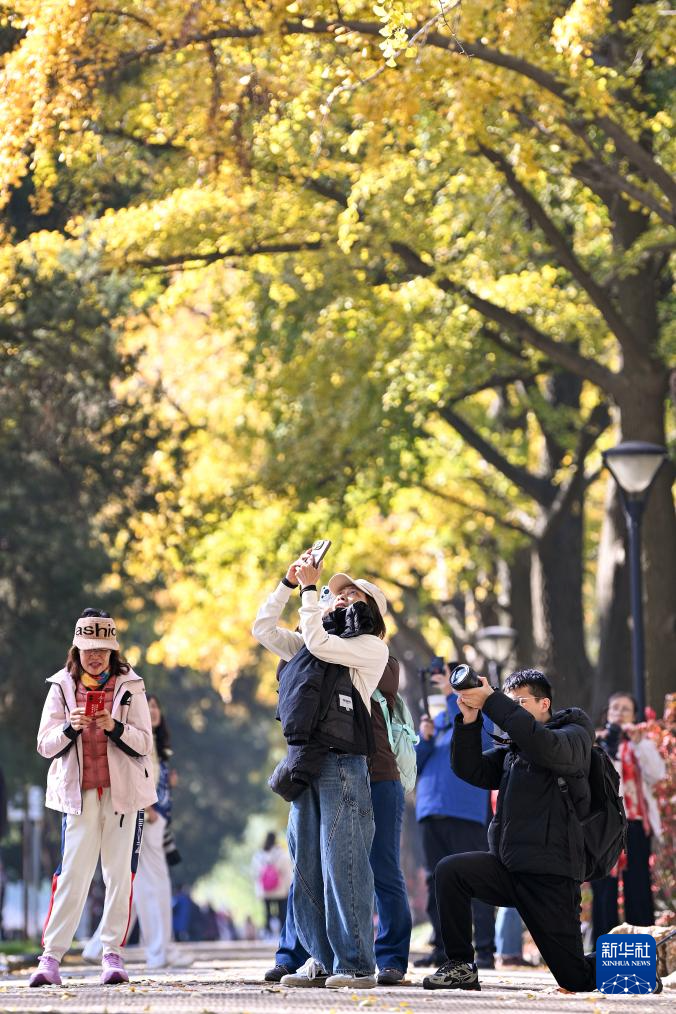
540	489
173	45
603	179
638	156
575	483
564	251
116	13
154	146
560	352
497	380
474	509
180	259
632	150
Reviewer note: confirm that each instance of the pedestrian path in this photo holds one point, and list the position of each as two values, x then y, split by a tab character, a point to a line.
227	977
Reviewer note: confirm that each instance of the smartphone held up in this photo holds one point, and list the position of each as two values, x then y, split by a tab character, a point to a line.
95	702
319	550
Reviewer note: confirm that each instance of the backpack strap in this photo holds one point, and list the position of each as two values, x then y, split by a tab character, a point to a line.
381	700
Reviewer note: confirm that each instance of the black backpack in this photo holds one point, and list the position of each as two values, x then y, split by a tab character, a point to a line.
605	827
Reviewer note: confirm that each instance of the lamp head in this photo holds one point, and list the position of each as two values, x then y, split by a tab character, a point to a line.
634	465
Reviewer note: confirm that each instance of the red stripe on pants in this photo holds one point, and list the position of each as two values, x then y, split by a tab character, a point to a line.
51	905
131	898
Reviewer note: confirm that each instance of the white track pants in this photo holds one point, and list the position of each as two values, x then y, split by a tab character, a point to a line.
152	895
98	830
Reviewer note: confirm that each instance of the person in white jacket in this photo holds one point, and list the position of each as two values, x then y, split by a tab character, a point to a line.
331	823
100	779
152	886
640	766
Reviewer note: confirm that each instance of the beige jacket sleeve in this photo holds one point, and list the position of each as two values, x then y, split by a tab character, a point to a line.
280	640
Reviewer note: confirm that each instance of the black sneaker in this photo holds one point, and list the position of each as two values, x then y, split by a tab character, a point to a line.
485	960
275	974
391	977
435	957
453	975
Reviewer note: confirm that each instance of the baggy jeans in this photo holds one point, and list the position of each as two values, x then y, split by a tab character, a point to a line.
393	939
330	835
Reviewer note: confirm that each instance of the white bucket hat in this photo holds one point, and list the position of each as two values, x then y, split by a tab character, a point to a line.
340	581
95	632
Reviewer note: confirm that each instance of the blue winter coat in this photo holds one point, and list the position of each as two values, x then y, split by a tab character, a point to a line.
439	791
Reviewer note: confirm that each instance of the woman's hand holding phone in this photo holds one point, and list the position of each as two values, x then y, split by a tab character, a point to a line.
291	574
104	720
307	573
79	719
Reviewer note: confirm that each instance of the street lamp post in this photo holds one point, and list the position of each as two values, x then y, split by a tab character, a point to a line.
495	644
634	466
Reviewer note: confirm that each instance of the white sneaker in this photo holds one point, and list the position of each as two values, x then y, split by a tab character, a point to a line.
312	973
351	979
172	960
93	951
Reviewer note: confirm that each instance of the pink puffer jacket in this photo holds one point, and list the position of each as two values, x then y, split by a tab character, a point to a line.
131	782
95	773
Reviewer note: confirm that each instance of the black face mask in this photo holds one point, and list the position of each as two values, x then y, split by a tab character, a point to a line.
350	622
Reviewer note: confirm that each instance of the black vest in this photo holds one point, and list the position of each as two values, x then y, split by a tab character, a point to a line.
319	703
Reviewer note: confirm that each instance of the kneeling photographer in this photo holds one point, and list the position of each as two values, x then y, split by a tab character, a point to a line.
536	858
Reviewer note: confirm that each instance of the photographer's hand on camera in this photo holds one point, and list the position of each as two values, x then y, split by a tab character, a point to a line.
472	701
469	715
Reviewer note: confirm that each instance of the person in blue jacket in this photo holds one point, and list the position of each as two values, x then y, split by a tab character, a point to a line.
453	818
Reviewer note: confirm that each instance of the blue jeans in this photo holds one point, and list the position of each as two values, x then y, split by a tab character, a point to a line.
508	933
330	836
394	914
290	951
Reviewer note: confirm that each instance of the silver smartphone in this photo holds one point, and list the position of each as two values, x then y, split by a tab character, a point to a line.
319	550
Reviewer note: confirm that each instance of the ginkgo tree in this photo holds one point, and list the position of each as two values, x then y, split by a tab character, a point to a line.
503	166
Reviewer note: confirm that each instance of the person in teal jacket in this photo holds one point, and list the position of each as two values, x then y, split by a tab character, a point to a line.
453	817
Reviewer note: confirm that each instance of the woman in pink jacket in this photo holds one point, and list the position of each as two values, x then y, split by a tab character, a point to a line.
100	778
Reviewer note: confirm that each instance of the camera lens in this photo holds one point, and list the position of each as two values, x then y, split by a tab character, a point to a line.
463	677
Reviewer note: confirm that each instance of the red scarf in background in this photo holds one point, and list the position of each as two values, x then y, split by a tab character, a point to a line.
632	793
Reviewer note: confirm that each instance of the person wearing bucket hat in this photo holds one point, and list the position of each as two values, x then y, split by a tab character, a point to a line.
344	587
100	780
332	818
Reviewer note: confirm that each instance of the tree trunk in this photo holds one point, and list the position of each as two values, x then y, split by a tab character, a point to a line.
642	405
612	596
558	618
642	414
413	653
521	608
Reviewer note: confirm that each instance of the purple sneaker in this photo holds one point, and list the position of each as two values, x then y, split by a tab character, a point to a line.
113	970
47	972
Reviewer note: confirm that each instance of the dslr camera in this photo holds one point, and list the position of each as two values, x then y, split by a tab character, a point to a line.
435	668
463	677
612	739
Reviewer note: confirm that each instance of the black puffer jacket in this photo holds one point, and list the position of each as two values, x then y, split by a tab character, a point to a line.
531	831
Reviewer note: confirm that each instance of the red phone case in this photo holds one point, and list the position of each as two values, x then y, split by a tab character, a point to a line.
96	701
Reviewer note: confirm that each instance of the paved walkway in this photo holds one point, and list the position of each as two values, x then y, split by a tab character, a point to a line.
227	977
